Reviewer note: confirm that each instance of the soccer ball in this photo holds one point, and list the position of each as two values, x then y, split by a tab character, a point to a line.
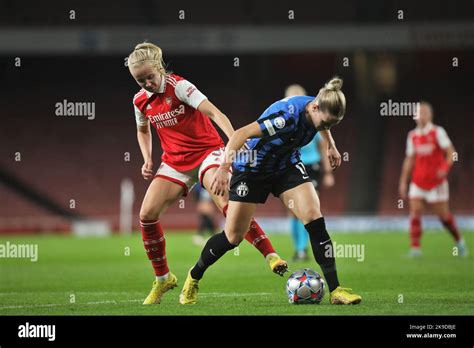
305	286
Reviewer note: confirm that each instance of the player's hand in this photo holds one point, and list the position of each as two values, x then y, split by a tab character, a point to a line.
328	180
334	157
402	190
220	182
147	170
443	170
441	174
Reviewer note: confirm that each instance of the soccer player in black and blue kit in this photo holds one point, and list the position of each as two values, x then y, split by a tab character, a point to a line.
271	163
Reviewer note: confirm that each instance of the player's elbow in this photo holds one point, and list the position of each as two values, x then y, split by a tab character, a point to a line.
143	129
451	150
241	132
250	131
238	136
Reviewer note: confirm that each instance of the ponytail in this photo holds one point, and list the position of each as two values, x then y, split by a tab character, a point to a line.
331	99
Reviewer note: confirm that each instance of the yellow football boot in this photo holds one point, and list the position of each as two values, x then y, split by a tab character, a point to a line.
277	264
190	290
342	295
159	288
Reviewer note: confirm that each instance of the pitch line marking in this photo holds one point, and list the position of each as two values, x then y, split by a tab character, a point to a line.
115	302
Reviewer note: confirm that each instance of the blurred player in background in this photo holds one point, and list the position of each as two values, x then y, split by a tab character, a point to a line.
282	129
192	150
205	208
314	163
429	156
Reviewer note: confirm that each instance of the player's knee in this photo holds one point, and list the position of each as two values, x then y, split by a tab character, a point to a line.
310	214
221	202
234	237
149	214
416	210
415	213
443	216
145	216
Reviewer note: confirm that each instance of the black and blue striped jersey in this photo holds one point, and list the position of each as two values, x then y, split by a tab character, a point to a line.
285	130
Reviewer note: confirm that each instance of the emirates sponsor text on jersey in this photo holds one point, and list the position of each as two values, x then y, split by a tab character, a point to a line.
167	119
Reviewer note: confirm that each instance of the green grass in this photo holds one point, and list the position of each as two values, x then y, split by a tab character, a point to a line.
104	281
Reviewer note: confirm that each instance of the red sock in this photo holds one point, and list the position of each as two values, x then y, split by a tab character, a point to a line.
450	224
155	245
256	237
259	239
224	210
415	232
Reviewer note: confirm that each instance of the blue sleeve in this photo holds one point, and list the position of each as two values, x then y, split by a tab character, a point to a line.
318	137
277	123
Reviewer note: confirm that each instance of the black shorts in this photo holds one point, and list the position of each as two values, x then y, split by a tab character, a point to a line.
248	189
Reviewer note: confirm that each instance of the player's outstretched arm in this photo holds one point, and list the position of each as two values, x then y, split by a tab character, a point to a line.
220	182
222	121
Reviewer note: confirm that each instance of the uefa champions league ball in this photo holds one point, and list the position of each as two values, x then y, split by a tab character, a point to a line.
305	286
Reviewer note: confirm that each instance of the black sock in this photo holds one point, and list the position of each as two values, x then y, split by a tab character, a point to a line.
215	247
323	251
207	223
202	225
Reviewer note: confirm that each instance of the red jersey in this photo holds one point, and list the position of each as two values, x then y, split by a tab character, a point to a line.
187	136
428	145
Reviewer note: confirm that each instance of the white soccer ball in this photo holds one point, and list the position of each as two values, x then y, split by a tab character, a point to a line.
305	286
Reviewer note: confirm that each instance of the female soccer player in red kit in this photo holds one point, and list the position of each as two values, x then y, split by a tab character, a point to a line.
192	149
429	156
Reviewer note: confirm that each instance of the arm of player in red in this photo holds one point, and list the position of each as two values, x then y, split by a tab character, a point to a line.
447	163
220	182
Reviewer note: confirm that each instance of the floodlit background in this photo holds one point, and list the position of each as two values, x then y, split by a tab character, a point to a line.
58	170
67	176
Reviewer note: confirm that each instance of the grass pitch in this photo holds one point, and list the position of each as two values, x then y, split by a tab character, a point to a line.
112	276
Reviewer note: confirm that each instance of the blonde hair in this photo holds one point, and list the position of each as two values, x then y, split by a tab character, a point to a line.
294	89
148	52
331	99
428	105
